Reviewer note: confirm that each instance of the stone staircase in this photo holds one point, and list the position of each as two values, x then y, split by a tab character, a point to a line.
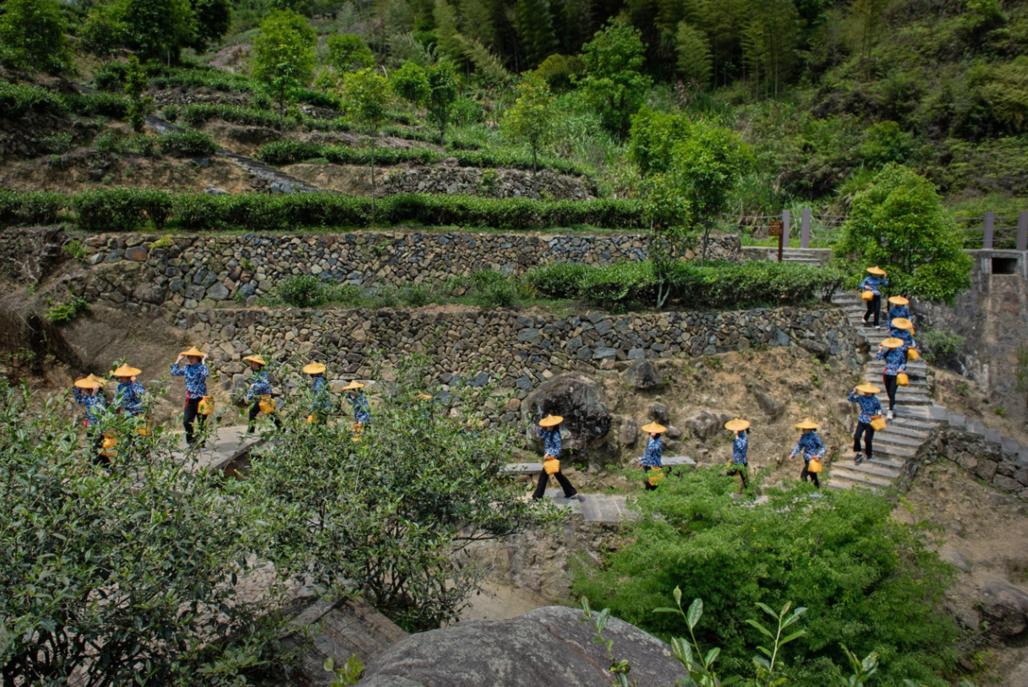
905	434
806	256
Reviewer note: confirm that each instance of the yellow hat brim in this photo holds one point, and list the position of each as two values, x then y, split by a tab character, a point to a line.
126	371
654	428
806	425
192	351
87	383
898	300
255	359
877	271
901	323
868	389
737	425
314	369
353	386
891	342
551	421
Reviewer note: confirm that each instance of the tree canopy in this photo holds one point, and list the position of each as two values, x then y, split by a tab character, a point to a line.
283	54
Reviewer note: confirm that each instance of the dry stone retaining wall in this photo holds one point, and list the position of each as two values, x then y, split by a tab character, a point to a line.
516	350
1001	467
190	272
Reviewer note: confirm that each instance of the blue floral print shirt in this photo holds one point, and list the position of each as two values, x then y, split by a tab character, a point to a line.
129	397
869	406
260	385
551	441
873	284
740	447
653	452
196	378
809	446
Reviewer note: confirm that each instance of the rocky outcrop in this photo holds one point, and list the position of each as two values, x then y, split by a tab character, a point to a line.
579	400
643	375
1002	468
549	646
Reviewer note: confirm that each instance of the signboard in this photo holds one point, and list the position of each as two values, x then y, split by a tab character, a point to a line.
775	228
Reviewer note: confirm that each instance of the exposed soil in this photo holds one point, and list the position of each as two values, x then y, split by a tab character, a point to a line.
349	179
984	533
962	395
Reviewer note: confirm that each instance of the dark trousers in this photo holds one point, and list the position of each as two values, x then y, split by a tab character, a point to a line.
874	307
255	410
890	389
544	479
868	432
807	474
191	416
739	469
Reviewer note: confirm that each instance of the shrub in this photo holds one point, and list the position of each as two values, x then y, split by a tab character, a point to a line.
941	347
491	289
105	104
559	280
19	100
197	114
187	144
867	580
111	77
121	209
302	291
62	313
348	52
35	207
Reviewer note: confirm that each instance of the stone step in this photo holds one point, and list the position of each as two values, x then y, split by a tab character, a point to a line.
843	483
912	426
891	436
894	451
885	471
858	476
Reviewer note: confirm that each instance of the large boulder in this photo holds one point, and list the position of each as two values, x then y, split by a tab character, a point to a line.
580	401
1005	606
644	376
706	424
548	646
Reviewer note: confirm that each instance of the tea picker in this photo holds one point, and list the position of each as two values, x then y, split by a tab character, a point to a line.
361	410
811	449
321	401
653	466
740	449
198	405
869	419
871	293
259	394
549	432
894	374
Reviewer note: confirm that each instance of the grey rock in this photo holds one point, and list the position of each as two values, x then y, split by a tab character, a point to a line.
579	400
772	407
217	292
1005	607
137	253
706	424
604	353
629	433
659	413
644	376
548	646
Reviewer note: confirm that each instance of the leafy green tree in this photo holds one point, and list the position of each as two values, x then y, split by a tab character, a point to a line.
365	98
614	83
652	137
899	222
32	35
531	118
770	44
693	50
212	21
534	25
140	104
446	31
443	85
283	54
410	82
348	52
119	575
886	142
390	515
868	15
476	21
152	29
867	581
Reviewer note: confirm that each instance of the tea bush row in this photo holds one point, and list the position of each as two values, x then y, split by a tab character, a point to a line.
132	209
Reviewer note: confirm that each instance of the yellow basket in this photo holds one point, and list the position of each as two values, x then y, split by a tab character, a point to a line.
107	446
878	423
902	379
912	354
655	477
266	404
205	406
815	466
312	419
867	295
144	429
551	466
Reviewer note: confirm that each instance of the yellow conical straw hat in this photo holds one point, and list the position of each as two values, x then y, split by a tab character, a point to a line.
876	270
805	424
868	389
898	300
126	371
891	342
192	351
353	386
255	359
654	428
901	323
87	382
551	421
314	369
737	425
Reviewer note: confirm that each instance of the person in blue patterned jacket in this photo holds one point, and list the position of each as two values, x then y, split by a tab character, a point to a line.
740	449
865	397
893	352
652	455
361	409
259	386
195	373
549	432
128	397
321	398
809	447
897	308
874	282
86	392
903	329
